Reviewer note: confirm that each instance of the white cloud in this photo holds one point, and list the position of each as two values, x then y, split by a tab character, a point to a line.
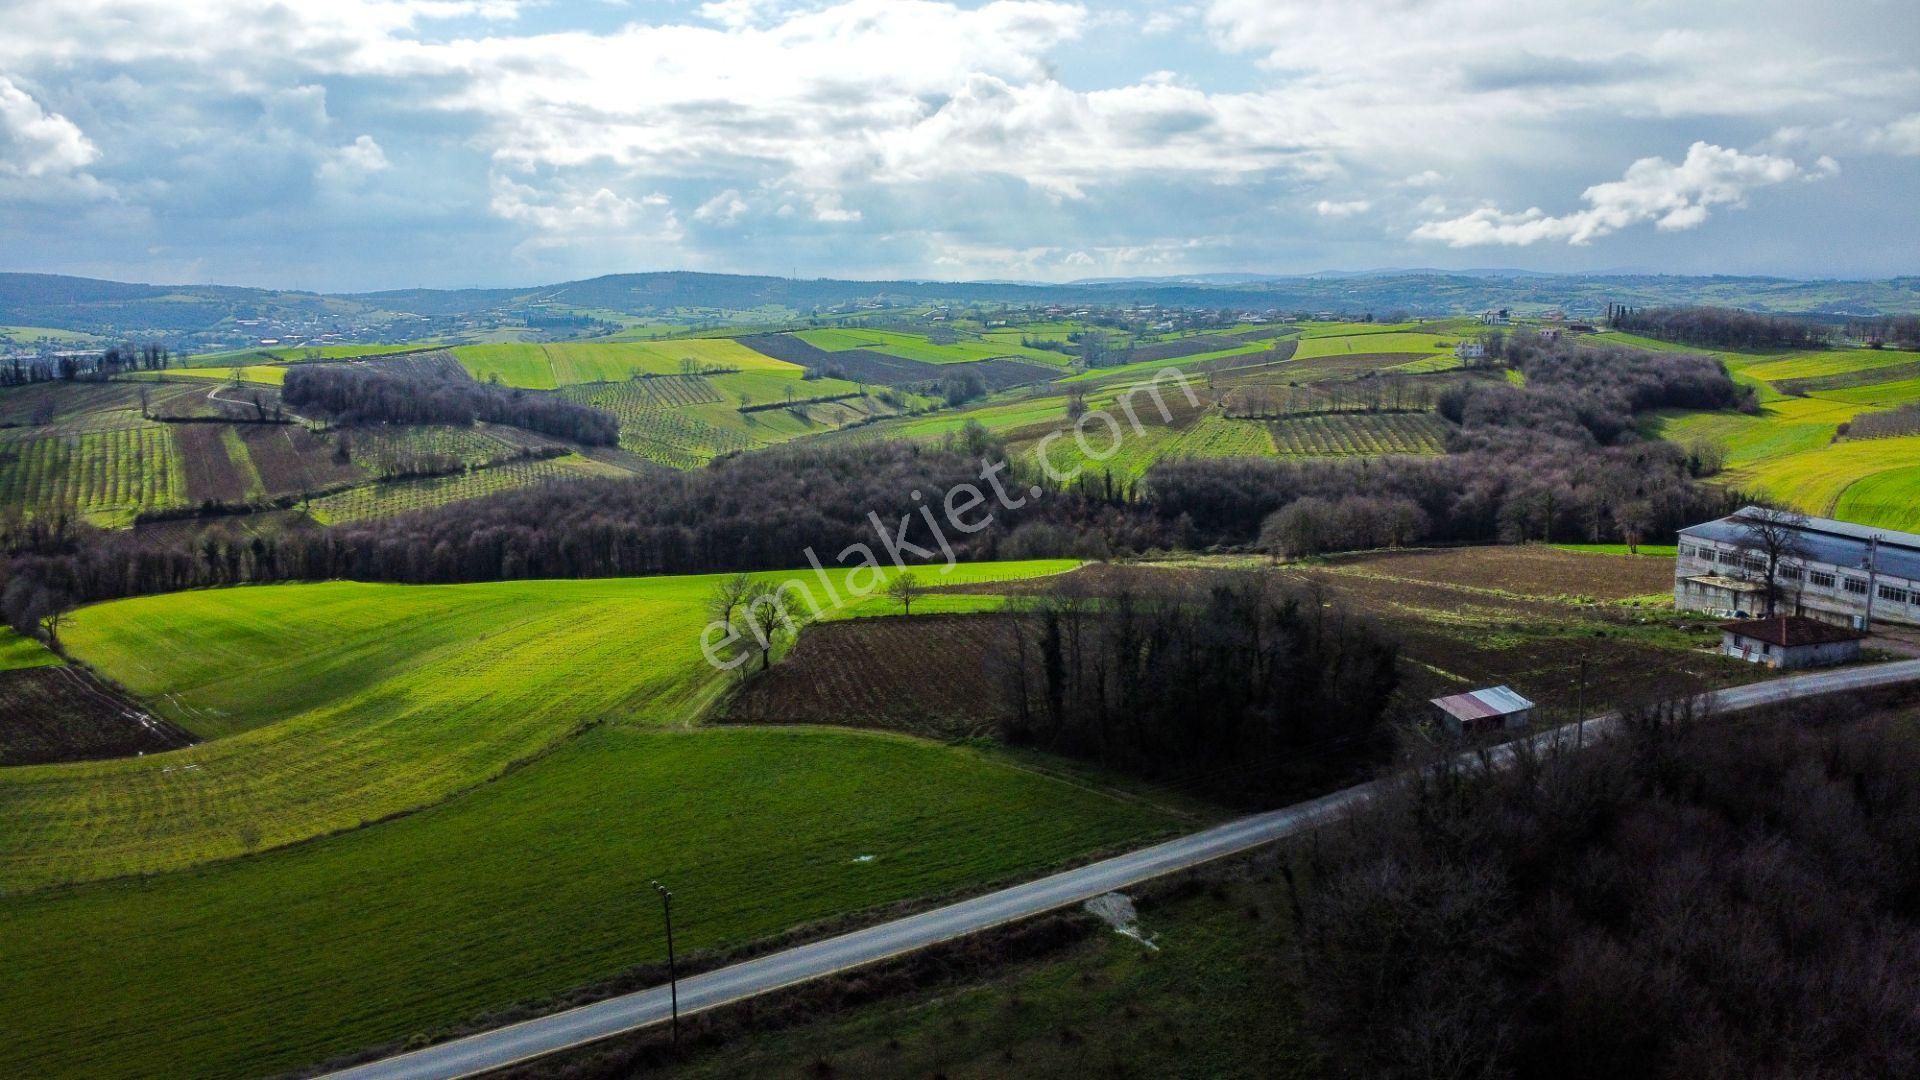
723	209
1673	197
557	214
892	121
42	146
827	208
1347	208
1166	21
353	162
1899	137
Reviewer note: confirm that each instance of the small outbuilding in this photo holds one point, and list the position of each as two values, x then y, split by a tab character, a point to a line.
1790	641
1496	708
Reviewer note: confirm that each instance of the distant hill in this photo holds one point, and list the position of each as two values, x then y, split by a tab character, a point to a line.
203	314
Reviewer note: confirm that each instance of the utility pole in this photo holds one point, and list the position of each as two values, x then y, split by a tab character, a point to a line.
1873	578
673	973
1580	706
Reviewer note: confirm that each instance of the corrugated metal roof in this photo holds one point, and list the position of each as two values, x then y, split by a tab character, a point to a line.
1836	543
1481	704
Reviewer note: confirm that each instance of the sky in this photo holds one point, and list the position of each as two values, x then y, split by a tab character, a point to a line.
345	145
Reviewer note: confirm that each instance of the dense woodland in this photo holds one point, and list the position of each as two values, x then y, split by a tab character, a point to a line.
1556	459
1718	327
358	396
1240	687
1900	331
1697	897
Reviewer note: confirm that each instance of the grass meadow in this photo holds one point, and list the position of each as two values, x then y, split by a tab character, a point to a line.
329	706
519	890
264	374
1793	449
546	367
17	653
918	347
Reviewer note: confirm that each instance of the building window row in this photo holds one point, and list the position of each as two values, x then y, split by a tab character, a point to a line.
1893	593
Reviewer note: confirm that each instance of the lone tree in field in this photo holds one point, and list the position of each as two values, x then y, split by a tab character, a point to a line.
728	595
905	588
1776	536
759	617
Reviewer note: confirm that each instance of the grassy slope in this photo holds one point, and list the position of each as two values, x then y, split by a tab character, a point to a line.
1218	999
918	347
265	374
346	702
1816	479
17	652
1315	346
521	889
1789	450
1890	499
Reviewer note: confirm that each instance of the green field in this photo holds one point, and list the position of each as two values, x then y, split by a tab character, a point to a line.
1314	346
544	367
17	652
346	352
1148	368
1889	498
1885	395
1215	436
1653	551
1217	997
1792	449
919	347
265	374
1822	364
519	890
338	704
29	335
1815	480
513	364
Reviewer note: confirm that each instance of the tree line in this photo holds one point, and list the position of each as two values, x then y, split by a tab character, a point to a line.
114	360
352	395
1241	687
1900	331
1904	420
1720	328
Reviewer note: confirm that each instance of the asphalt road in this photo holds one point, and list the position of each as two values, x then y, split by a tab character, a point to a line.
575	1027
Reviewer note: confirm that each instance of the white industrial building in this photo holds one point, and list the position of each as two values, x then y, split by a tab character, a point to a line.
1835	571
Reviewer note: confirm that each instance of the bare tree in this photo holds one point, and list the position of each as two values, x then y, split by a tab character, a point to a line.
769	622
905	588
1777	536
1634	518
728	594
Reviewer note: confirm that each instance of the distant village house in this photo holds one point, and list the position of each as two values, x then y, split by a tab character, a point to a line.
1789	642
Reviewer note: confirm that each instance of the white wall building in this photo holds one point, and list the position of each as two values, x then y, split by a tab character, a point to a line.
1843	573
